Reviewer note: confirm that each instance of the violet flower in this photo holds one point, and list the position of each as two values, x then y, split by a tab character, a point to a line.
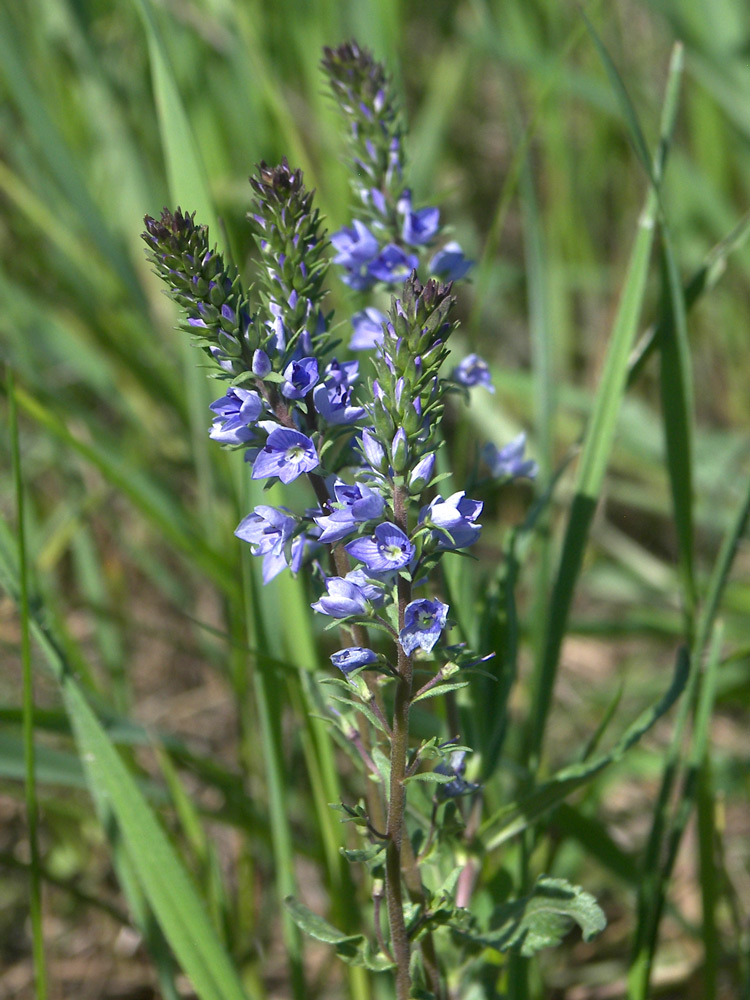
473	370
268	530
348	660
424	620
508	462
235	412
286	454
343	600
450	264
456	516
368	329
385	550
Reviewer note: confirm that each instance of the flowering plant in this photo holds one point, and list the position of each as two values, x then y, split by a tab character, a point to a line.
368	443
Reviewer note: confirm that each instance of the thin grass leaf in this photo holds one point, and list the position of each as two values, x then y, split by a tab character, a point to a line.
710	879
32	808
597	446
635	132
163	879
703	280
261	625
58	158
143	491
157	868
515	818
677	406
650	897
186	174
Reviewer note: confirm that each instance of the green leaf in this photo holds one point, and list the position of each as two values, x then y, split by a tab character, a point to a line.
440	689
364	854
353	949
542	919
433	776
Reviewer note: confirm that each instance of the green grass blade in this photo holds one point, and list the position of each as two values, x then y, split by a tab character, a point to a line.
595	454
186	174
188	185
710	879
652	884
141	489
58	157
164	881
261	622
32	807
635	132
515	818
657	872
597	446
158	870
677	407
703	280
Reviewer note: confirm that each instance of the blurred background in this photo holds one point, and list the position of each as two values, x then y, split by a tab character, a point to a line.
516	133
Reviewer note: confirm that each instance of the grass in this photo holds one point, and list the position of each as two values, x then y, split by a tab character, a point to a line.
182	694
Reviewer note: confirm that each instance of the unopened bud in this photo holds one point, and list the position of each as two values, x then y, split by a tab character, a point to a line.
421	474
399	451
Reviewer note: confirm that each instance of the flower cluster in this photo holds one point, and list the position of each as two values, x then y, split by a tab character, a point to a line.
367	448
387	242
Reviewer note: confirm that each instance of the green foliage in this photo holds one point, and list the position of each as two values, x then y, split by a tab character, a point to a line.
353	949
542	919
633	386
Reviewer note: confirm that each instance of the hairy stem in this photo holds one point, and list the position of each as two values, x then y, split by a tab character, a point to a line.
399	855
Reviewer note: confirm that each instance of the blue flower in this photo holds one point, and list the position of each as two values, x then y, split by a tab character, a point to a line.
356	248
235	411
418	227
268	530
372	587
450	264
508	462
341	372
386	550
455	767
473	370
300	377
393	264
424	620
353	658
368	329
343	599
357	504
456	515
286	454
333	403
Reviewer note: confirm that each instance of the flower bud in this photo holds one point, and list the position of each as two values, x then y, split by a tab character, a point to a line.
399	451
373	451
421	474
261	364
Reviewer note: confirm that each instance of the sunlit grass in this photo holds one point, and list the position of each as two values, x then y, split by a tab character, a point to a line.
140	592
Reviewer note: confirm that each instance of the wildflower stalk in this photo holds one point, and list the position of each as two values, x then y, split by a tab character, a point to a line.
293	409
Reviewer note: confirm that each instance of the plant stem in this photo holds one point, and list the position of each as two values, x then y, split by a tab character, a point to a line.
397	792
399	855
